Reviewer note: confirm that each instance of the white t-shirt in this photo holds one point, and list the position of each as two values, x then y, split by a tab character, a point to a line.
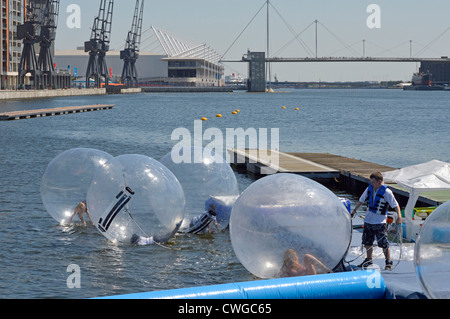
372	218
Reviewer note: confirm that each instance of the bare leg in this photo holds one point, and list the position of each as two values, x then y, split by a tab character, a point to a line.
82	219
387	253
89	215
369	250
312	262
310	269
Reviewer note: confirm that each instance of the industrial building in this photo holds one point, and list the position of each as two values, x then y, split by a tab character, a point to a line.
440	71
177	61
76	61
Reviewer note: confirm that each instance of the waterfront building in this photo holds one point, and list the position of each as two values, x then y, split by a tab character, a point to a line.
194	72
10	47
175	61
190	63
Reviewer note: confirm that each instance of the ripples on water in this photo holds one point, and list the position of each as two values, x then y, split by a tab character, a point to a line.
393	128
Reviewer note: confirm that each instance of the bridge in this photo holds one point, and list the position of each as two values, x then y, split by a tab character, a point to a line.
345	59
259	64
259	74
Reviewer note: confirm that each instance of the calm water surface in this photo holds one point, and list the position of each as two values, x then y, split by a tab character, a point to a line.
389	127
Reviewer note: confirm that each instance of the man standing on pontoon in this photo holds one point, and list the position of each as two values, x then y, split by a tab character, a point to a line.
379	197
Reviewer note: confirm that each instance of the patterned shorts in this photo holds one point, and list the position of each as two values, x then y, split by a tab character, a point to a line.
378	231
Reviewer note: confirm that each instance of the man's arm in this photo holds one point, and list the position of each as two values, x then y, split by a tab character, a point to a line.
358	205
399	217
393	203
361	201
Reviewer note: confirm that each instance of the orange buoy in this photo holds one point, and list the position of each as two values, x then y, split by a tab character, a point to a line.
204	119
219	115
297	109
234	112
283	107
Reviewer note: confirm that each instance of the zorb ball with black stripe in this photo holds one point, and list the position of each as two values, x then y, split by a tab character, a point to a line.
284	220
204	175
432	254
66	181
135	196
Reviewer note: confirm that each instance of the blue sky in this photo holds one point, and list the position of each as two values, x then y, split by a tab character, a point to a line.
218	23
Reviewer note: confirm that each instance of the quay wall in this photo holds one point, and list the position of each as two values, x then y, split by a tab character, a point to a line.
34	94
188	89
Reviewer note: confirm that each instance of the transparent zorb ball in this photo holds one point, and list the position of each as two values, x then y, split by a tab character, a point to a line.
288	215
432	253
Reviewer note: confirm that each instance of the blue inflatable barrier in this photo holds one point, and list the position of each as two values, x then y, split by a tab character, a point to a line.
368	284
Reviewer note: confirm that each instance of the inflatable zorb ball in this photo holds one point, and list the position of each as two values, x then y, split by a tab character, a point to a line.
135	195
288	213
66	181
203	175
432	254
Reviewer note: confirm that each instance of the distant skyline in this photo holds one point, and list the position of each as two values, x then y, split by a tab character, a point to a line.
341	30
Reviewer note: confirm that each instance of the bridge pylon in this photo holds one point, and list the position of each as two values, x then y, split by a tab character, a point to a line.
256	71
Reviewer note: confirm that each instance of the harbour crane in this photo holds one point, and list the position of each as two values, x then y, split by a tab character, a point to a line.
27	33
131	52
48	25
98	45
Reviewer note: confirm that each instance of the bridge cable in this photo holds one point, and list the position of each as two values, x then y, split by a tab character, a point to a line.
341	49
352	51
432	42
296	37
302	43
423	47
391	49
244	29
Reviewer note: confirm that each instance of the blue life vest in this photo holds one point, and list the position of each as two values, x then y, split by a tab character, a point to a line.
378	206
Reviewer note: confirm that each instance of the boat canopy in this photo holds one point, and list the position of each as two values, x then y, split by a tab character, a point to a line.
430	176
425	177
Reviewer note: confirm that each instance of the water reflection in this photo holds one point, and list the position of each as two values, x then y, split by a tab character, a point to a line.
35	251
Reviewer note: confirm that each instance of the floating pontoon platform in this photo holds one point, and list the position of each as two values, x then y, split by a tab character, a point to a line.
28	114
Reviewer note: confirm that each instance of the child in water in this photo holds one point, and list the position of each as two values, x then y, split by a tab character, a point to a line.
81	209
151	240
292	267
202	223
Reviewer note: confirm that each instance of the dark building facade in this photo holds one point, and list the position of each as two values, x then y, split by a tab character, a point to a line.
440	71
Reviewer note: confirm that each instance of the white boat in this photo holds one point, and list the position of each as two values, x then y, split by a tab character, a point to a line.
234	80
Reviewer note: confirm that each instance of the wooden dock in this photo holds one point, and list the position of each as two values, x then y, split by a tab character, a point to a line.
347	166
28	114
265	162
342	172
